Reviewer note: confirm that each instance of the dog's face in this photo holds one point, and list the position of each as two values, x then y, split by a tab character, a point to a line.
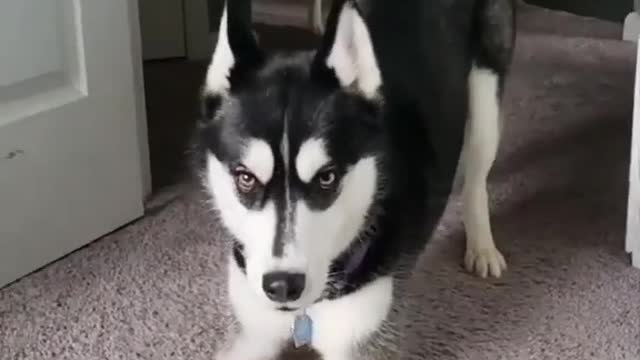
293	146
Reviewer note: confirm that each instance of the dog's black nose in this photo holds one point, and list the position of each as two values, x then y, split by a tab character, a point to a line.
283	286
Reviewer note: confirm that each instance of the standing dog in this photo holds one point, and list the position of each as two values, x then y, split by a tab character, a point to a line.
329	170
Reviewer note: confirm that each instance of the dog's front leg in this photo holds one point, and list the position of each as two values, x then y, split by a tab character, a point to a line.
251	347
263	331
344	325
338	355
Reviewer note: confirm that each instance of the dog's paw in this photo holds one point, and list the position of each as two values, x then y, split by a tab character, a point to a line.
223	355
230	354
485	262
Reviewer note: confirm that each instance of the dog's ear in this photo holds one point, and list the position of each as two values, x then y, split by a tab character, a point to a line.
346	55
237	53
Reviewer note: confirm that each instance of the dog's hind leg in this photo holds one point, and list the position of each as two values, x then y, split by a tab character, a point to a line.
493	46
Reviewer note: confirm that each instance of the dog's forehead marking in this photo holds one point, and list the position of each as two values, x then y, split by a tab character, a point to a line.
258	158
286	215
312	156
284	146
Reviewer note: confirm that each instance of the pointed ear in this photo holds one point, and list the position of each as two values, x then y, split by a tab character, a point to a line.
237	52
346	53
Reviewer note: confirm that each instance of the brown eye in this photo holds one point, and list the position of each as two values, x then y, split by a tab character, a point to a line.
326	179
245	181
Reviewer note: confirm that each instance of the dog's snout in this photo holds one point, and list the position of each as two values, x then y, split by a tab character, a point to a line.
283	286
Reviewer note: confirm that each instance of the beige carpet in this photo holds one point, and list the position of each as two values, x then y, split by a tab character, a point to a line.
154	290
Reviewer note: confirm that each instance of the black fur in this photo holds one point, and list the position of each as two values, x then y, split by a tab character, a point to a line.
425	50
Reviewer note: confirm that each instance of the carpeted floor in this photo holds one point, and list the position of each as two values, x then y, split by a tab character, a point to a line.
154	290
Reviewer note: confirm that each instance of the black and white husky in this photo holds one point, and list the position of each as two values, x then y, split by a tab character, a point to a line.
329	170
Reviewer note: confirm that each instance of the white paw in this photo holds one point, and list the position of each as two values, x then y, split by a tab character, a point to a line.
485	261
224	355
244	350
234	353
220	356
336	357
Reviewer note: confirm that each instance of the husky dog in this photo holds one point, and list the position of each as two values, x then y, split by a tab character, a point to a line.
329	170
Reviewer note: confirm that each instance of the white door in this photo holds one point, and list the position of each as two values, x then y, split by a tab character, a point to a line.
70	148
163	29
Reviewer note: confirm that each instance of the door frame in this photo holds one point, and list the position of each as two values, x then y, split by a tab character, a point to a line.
633	207
199	47
141	110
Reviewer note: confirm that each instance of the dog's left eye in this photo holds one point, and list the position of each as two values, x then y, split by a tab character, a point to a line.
245	181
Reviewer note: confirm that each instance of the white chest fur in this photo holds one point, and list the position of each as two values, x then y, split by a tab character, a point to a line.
338	325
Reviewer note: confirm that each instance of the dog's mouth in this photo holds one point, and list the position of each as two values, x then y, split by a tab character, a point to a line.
287	309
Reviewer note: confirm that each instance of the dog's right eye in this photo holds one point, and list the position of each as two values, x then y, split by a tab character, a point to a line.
326	179
245	181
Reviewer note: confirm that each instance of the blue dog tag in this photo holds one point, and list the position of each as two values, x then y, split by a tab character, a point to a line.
302	330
